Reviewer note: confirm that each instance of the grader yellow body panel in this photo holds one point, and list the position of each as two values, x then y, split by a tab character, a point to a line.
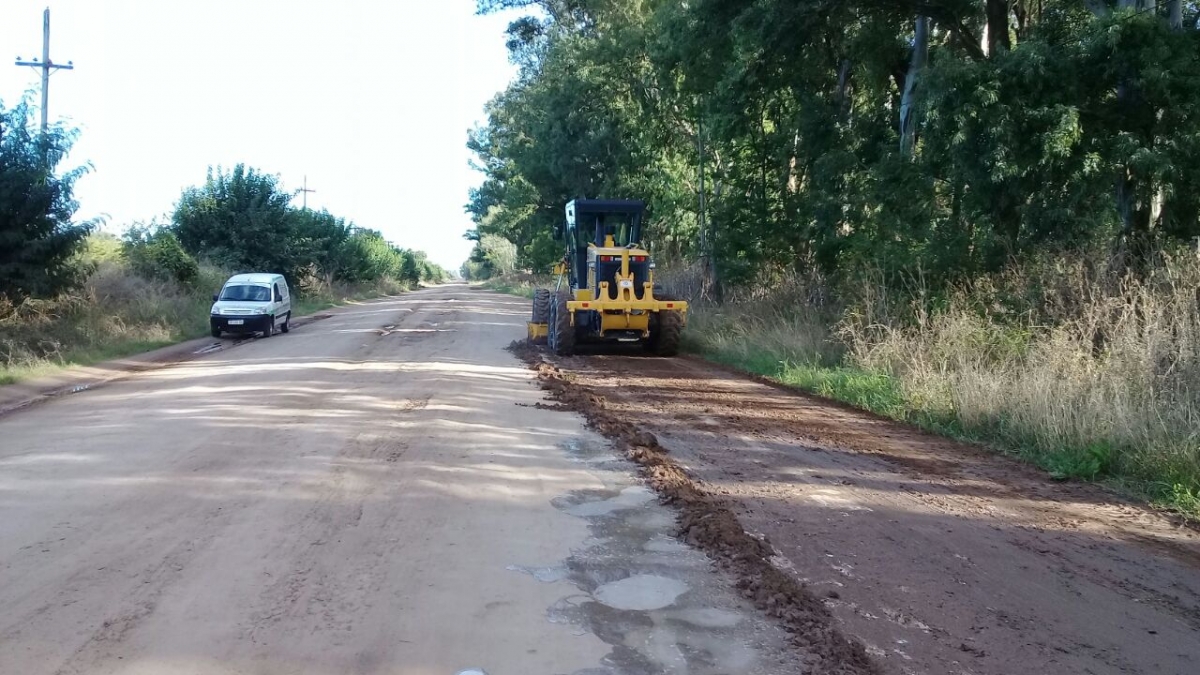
605	290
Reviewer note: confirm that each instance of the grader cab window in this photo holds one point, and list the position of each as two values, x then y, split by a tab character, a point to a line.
618	225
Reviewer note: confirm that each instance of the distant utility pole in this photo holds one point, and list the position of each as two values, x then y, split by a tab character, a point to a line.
304	191
46	66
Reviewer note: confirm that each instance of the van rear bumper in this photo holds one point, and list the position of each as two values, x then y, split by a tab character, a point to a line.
250	324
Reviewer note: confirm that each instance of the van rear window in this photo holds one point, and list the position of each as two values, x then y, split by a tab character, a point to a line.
246	293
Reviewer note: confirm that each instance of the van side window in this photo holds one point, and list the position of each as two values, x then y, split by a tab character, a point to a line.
278	295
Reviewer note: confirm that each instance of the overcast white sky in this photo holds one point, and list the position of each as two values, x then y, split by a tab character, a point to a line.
371	99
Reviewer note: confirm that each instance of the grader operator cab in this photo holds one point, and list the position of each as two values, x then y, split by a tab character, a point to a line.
605	290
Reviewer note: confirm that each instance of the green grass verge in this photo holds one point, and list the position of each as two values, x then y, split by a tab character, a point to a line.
84	356
884	395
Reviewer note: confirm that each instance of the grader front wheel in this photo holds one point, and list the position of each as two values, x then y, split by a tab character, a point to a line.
541	311
562	333
665	336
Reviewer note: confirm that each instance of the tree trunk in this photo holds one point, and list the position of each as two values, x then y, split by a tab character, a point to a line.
1128	185
908	112
793	179
710	285
997	27
1025	13
842	85
1160	207
1134	210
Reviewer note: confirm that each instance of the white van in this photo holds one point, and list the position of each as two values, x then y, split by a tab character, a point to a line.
252	303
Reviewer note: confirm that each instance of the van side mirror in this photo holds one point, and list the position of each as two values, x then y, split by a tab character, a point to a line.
214	297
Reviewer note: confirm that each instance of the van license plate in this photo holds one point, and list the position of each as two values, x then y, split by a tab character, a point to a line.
236	322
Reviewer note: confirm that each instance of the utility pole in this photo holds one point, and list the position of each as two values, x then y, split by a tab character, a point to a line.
46	66
304	191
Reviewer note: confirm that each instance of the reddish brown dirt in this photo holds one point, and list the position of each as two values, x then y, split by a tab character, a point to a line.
708	523
939	557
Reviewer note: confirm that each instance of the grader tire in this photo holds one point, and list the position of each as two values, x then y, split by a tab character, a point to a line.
541	310
665	340
541	305
562	333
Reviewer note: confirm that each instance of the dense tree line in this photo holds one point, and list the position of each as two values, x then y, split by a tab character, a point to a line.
241	219
238	220
951	136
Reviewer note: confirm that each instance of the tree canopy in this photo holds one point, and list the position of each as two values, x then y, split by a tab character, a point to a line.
834	135
38	234
242	219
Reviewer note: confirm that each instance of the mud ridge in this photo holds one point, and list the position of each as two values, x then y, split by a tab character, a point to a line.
708	524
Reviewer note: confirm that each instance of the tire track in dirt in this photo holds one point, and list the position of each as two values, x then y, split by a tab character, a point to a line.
708	524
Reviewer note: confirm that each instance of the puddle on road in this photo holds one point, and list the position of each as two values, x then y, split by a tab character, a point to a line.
630	498
546	575
641	592
656	602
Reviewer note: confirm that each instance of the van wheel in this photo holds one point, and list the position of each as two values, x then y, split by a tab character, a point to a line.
216	332
285	326
269	329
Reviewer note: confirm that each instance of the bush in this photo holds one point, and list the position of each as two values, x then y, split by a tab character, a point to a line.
366	256
157	254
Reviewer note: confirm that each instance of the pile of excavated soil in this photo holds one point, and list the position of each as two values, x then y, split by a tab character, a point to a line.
705	522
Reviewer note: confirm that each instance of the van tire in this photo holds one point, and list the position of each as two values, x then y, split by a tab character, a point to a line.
269	329
285	326
216	332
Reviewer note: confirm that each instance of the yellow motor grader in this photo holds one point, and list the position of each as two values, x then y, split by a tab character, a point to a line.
605	290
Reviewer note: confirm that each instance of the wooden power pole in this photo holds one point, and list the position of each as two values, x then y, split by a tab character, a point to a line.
47	67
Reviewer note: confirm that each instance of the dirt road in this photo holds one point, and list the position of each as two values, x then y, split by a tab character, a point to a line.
377	492
938	557
388	491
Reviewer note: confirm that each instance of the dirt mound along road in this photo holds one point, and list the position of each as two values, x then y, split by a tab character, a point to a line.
937	556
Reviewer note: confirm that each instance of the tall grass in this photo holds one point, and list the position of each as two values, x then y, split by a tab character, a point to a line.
1085	374
519	284
117	313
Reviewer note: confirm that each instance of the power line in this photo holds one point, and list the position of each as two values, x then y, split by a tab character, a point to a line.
46	66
